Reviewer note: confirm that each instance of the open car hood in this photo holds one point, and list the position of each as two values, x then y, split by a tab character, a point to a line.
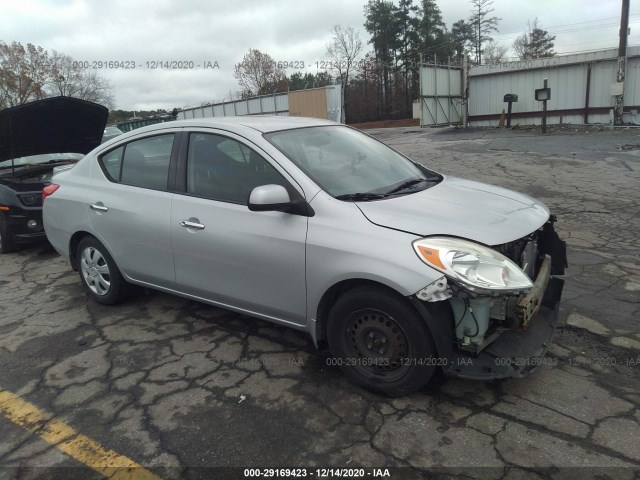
461	208
52	125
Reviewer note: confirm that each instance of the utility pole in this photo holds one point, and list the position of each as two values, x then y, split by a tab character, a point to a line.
622	63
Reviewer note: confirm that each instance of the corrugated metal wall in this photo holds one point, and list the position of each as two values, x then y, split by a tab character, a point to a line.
441	95
567	79
335	103
276	104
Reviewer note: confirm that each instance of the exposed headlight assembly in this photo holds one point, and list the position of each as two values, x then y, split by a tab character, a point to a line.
474	266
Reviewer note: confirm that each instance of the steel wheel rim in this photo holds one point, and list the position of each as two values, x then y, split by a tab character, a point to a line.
95	271
376	345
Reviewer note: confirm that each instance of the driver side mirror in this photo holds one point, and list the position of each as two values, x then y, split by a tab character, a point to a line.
269	198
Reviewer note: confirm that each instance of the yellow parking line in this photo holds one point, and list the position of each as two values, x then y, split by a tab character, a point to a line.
80	447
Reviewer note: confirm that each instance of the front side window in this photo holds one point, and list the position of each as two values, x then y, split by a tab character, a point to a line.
222	168
143	163
349	164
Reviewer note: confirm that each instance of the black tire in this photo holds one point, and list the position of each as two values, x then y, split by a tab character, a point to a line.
99	273
380	342
7	242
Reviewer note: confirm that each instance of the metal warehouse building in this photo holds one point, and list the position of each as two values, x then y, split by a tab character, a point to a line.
324	102
582	88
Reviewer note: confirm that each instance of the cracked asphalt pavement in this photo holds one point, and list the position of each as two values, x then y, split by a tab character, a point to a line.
178	386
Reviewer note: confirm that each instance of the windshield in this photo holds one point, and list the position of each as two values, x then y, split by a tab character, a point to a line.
350	165
40	159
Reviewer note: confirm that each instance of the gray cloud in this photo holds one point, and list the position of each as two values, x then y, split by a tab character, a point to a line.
223	31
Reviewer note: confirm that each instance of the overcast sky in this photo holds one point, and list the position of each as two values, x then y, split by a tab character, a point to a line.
212	31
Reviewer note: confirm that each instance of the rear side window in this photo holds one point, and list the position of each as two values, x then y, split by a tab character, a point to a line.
112	162
143	163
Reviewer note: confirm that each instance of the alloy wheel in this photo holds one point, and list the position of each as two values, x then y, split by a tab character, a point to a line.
95	271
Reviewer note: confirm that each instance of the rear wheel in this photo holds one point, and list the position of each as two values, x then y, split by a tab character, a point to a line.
380	342
7	243
99	273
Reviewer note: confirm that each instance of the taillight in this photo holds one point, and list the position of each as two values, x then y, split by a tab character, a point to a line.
48	190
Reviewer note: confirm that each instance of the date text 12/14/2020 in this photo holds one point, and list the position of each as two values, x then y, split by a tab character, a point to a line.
148	64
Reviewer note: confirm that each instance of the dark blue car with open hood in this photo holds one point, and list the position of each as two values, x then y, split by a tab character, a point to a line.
35	139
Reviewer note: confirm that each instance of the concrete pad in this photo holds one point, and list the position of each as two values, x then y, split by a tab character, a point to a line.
486	423
528	448
625	342
530	412
619	434
570	395
580	321
420	441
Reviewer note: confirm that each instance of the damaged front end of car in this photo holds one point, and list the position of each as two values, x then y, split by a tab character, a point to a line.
503	300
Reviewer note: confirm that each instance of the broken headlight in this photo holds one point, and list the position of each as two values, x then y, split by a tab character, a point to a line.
471	265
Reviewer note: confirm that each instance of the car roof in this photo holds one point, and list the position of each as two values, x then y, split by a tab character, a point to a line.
261	123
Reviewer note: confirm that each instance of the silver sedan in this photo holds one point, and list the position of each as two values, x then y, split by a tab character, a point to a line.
314	225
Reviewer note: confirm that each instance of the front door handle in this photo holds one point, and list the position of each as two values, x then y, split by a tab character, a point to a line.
192	223
99	206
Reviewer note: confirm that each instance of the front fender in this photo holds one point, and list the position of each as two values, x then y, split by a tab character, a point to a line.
343	245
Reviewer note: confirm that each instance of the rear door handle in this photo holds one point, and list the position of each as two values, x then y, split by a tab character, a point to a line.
98	206
192	223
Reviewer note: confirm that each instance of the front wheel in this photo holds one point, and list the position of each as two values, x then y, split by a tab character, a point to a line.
99	273
380	342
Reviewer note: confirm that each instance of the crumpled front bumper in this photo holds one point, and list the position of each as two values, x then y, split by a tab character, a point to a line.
518	346
515	353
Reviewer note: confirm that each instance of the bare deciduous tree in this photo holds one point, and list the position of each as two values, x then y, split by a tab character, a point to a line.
482	24
494	52
535	42
30	73
95	88
68	78
258	74
343	50
520	46
65	74
24	72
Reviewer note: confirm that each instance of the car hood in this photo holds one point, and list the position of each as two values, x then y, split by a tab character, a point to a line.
52	125
461	208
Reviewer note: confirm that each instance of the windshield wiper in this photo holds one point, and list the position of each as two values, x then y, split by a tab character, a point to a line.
411	183
405	185
361	196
